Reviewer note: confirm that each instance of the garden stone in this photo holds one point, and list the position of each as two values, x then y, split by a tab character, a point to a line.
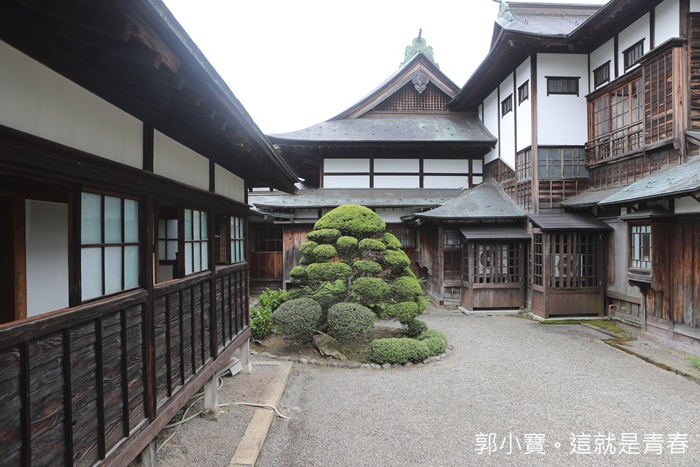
386	366
329	347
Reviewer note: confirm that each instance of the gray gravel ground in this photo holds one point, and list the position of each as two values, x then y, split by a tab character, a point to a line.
507	378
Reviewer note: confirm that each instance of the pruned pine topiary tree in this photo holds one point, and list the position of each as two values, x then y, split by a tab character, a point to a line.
349	245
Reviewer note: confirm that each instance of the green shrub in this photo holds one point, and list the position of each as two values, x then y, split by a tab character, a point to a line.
397	350
272	299
396	260
298	273
260	322
308	247
372	244
325	236
328	295
347	247
435	341
348	320
327	272
414	327
369	289
405	289
391	242
300	316
353	220
325	252
366	268
408	273
404	311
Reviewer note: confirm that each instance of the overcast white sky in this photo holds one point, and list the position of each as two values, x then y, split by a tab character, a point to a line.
296	63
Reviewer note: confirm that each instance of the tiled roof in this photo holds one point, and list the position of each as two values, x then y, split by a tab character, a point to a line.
370	197
590	197
549	19
567	221
490	231
485	201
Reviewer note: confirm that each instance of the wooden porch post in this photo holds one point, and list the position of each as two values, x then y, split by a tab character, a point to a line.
245	357
211	398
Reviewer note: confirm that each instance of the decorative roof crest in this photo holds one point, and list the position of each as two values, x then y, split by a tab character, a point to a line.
419	45
504	11
420	81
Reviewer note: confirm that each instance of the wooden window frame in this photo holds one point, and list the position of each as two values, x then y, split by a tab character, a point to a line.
524	92
633	54
573	259
638	261
237	239
562	80
577	163
103	245
601	75
537	273
524	165
506	105
196	243
405	234
496	262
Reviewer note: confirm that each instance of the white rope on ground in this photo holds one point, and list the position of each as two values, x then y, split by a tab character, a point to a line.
186	419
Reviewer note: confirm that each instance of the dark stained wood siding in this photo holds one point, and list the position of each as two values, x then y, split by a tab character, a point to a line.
694	42
266	264
292	238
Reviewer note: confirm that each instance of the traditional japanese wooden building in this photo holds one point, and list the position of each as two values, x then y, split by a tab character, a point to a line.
399	150
594	111
124	163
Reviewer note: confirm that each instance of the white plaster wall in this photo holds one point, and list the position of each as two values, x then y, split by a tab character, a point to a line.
346	181
491	116
345	165
178	162
601	55
446	166
396	181
507	140
686	205
306	214
627	37
397	165
666	21
694	6
390	215
228	184
478	112
523	111
446	181
561	119
47	256
41	102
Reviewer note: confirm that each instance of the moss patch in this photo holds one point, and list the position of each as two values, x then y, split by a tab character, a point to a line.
609	325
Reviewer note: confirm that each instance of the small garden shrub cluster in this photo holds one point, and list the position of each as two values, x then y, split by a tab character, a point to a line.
261	316
298	316
434	340
348	320
429	343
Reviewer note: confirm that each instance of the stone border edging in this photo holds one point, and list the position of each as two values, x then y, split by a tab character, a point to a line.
354	365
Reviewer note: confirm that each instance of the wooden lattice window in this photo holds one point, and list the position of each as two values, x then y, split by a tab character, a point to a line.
537	259
632	55
523	195
268	238
407	99
453	265
573	260
237	229
496	262
196	241
523	92
567	162
507	105
601	74
524	165
562	85
405	234
658	96
640	246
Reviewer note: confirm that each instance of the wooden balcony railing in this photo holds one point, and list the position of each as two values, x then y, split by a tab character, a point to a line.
615	144
98	381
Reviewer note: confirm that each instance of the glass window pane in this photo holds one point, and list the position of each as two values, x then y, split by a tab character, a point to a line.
91	272
188	224
131	221
205	256
161	228
113	269
197	266
195	224
172	228
188	258
162	253
204	226
234	252
172	250
113	220
131	267
91	219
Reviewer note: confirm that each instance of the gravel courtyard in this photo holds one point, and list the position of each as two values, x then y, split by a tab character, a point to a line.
512	392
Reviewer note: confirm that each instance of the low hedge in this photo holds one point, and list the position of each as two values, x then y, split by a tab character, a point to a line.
348	320
398	350
299	316
435	341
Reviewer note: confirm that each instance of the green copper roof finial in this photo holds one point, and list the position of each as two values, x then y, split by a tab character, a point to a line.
504	11
418	46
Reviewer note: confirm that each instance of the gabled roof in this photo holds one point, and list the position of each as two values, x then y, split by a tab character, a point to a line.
483	202
136	56
453	128
545	27
418	67
669	182
370	197
590	197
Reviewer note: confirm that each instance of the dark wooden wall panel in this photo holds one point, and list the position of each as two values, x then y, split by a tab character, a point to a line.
10	407
84	393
